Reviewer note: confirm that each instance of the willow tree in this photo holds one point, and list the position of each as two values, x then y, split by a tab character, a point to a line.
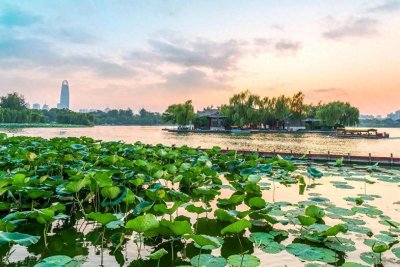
297	107
281	109
181	114
338	113
243	109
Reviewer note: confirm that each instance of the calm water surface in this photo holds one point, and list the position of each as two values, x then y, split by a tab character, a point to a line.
299	143
77	239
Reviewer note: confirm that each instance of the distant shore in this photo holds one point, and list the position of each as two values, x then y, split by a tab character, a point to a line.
247	131
41	125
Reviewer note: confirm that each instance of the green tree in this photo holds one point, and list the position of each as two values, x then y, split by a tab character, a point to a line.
338	114
13	101
297	107
181	114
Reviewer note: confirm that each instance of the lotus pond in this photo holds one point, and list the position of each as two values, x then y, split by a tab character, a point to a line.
83	202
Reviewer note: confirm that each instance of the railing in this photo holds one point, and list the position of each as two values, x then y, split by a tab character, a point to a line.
347	158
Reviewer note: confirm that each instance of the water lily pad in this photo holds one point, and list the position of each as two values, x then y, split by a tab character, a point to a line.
369	257
368	211
396	252
208	260
57	261
309	253
243	260
353	264
314	172
340	244
18	238
273	248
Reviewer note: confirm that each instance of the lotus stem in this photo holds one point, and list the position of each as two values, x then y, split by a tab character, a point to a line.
241	263
198	260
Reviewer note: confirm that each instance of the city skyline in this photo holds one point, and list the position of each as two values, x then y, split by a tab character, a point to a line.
64	96
153	54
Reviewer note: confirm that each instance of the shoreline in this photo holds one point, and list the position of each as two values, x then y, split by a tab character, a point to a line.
41	125
248	131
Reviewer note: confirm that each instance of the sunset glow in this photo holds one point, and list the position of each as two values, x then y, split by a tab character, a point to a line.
151	54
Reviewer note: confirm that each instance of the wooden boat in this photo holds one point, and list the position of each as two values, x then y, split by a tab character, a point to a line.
359	133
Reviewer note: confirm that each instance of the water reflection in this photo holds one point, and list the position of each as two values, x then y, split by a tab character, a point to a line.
299	143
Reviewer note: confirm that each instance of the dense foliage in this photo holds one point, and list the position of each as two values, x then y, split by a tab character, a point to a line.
126	117
247	110
13	109
181	114
338	113
65	198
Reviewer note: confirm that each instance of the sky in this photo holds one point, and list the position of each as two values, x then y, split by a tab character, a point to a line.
153	53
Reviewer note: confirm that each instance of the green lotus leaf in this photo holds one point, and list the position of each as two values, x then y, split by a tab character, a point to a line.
18	238
261	238
243	260
315	212
205	241
208	260
102	218
340	211
369	257
178	227
156	255
110	192
396	252
236	227
194	209
225	216
353	264
367	211
340	244
273	248
306	220
309	253
314	172
257	202
143	223
254	178
58	261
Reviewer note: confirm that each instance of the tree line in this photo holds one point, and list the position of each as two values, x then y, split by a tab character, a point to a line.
248	110
13	109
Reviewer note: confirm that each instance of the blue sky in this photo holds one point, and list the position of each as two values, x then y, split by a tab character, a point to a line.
154	53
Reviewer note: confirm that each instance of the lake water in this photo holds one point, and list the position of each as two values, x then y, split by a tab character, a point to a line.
379	189
299	143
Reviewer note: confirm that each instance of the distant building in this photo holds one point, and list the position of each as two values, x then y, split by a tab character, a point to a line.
214	118
36	106
46	107
64	98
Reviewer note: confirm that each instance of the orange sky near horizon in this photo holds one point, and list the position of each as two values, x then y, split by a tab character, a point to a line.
150	55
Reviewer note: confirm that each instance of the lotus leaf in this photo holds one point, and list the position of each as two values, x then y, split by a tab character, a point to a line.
244	260
207	260
143	223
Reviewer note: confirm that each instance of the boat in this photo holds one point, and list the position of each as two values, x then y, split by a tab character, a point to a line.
359	133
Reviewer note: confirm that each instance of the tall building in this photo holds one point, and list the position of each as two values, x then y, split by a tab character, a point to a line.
64	98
